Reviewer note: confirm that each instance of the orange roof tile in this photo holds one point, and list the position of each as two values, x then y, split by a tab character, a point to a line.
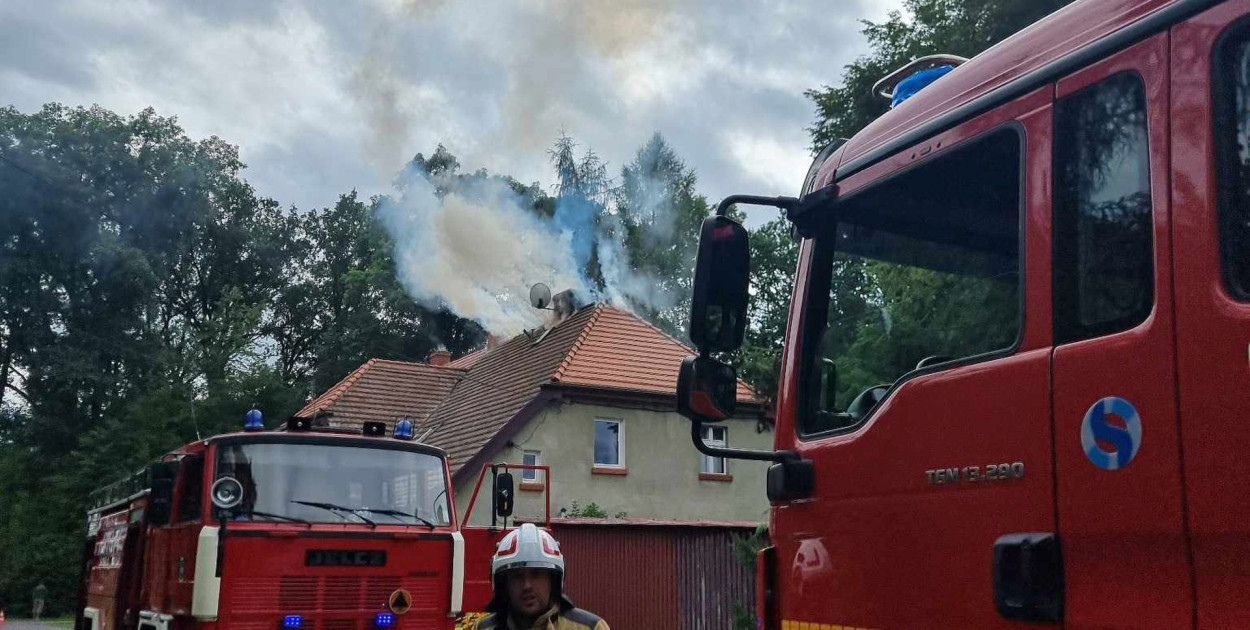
383	390
498	385
619	350
467	361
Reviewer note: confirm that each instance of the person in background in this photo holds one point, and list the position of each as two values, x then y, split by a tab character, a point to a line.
39	596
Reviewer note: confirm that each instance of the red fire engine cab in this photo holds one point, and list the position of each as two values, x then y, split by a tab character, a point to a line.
1015	388
305	528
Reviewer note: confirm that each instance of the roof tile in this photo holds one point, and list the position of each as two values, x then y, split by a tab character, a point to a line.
383	390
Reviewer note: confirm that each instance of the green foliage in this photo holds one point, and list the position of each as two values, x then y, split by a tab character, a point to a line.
774	257
903	314
149	296
923	27
744	551
661	212
591	510
743	617
745	547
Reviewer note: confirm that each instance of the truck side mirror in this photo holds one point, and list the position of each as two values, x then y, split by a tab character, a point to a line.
504	495
707	389
161	477
722	274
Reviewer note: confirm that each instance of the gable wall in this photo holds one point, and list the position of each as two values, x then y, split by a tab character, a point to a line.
662	468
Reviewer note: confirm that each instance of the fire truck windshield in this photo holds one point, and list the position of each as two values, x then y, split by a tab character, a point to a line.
361	484
921	270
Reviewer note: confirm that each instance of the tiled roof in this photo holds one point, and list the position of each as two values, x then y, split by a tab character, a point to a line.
622	351
470	401
499	384
384	390
467	361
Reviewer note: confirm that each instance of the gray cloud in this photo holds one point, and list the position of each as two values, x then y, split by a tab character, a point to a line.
323	96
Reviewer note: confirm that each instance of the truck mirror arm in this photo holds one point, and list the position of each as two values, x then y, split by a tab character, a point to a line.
696	435
801	212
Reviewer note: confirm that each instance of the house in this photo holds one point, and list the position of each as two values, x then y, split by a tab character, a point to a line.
592	395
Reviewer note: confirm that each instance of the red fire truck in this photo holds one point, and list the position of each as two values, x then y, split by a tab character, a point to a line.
306	528
1014	389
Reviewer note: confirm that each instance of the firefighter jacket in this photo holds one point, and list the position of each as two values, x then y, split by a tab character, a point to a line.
560	617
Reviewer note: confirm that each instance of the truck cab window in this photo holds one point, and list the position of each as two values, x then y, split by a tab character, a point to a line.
919	271
1104	246
1232	124
192	489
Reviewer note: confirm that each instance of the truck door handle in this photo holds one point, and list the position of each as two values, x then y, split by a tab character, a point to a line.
1028	577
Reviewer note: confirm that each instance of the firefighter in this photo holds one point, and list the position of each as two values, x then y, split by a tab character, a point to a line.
528	577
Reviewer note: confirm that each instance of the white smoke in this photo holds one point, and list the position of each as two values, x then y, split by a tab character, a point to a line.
476	251
623	285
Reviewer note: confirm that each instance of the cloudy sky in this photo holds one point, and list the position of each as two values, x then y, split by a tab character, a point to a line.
326	95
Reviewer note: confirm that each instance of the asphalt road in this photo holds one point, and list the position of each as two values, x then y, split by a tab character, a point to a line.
24	624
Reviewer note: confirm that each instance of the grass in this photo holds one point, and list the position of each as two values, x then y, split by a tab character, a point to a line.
51	622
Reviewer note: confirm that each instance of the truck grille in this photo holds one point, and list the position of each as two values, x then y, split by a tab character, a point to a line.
330	603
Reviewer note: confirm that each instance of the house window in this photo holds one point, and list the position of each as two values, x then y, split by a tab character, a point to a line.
716	437
608	448
530	458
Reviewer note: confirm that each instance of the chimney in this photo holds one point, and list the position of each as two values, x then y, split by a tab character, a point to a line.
439	358
564	304
491	341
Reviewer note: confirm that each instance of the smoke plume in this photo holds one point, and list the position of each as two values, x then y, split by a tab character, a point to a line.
470	245
476	251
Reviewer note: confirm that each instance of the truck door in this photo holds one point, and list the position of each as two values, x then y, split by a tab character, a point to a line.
1117	451
1211	201
924	395
184	534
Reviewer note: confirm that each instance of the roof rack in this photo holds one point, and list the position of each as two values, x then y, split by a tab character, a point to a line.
885	87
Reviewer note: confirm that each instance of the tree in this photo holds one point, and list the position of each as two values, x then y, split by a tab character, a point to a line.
774	258
860	291
924	27
352	302
582	191
136	267
660	213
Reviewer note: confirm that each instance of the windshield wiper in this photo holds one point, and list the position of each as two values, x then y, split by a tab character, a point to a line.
396	514
278	516
337	509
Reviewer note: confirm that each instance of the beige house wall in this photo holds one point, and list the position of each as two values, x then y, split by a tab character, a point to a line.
661	466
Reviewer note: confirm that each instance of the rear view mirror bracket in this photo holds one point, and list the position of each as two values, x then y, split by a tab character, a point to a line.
804	215
707	392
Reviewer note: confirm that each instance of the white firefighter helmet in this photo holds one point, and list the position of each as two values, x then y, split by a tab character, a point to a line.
527	547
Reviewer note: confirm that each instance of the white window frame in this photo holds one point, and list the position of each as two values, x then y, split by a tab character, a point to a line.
705	461
620	443
529	475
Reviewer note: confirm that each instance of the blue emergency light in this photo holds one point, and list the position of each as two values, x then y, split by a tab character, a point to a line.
254	421
403	429
908	87
291	621
384	620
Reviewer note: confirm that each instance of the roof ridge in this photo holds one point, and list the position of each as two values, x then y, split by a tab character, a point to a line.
418	364
656	329
688	349
577	343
